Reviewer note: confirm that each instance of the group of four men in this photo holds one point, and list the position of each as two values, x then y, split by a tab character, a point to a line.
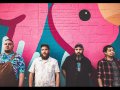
77	68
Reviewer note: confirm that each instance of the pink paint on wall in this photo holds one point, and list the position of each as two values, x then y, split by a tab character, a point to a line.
94	34
28	30
12	24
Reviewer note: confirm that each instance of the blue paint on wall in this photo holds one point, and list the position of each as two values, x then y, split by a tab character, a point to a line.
3	32
49	5
55	49
116	45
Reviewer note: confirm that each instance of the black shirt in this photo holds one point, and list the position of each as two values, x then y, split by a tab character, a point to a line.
74	77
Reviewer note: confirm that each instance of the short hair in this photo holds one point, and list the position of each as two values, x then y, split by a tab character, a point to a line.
106	47
45	45
9	40
79	45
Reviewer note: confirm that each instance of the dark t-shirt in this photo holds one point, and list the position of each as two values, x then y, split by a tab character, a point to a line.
77	72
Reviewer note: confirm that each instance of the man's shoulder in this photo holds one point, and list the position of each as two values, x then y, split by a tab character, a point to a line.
17	55
102	60
117	59
86	58
1	54
52	59
69	59
70	56
37	59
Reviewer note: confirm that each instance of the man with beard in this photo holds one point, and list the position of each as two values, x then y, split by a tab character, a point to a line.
109	69
45	69
77	68
12	66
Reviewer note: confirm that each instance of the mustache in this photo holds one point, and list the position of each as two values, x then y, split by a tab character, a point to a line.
79	57
79	53
45	57
44	53
8	51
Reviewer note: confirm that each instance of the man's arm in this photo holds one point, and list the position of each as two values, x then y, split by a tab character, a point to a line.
65	66
57	80
64	73
21	79
31	75
99	72
100	82
21	64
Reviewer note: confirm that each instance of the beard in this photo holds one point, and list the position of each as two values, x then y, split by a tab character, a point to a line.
79	56
44	57
8	51
111	56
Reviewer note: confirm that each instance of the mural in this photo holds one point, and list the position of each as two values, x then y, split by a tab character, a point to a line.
23	20
94	34
61	26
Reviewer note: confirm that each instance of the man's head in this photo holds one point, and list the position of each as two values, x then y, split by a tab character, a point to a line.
44	51
8	46
108	50
79	49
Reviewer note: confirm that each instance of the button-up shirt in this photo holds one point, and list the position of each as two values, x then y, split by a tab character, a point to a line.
17	63
44	71
105	71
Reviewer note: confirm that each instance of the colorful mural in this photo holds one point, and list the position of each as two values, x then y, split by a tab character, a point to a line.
94	34
61	26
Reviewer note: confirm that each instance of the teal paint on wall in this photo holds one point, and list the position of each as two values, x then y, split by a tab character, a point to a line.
3	32
55	50
116	45
49	5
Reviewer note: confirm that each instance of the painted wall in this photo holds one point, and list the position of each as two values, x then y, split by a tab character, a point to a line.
59	25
